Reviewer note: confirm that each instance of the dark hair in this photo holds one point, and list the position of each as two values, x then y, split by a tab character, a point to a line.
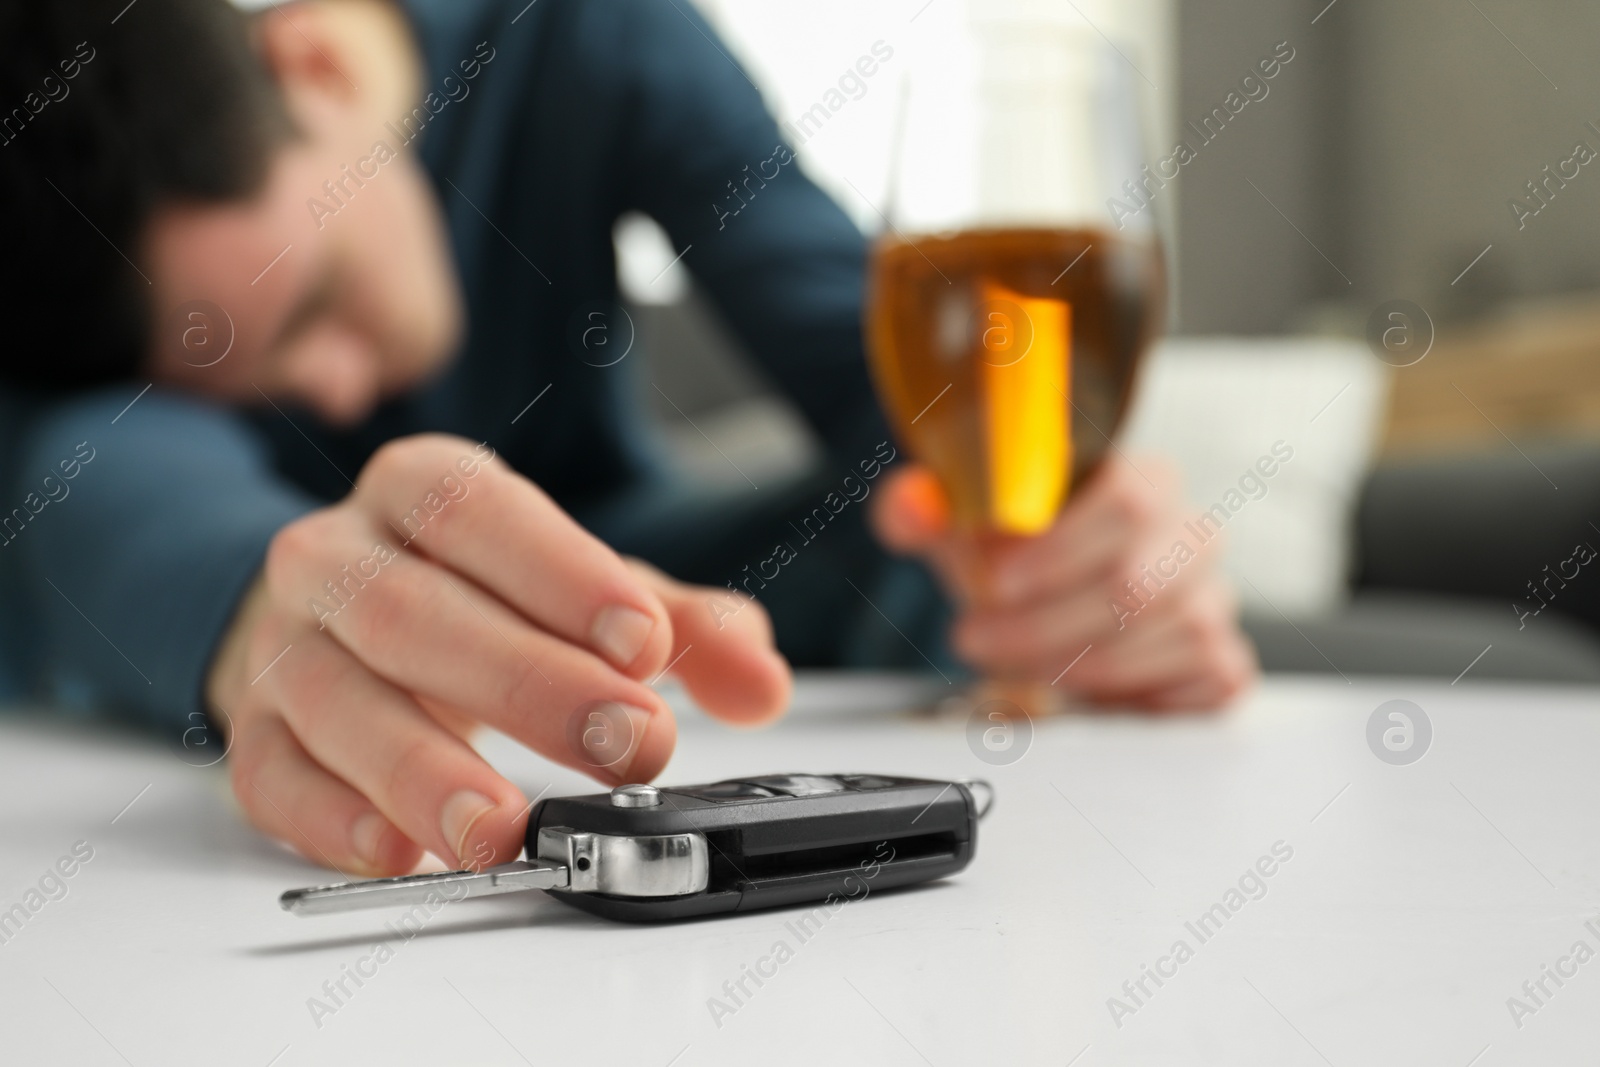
107	110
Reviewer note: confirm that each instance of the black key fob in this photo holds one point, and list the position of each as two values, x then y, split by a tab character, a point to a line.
752	843
645	853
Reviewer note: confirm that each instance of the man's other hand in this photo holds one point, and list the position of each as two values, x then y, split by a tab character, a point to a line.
1029	607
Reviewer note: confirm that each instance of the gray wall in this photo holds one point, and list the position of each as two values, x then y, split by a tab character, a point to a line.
1393	141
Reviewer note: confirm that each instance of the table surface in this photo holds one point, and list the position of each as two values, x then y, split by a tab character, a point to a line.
1413	903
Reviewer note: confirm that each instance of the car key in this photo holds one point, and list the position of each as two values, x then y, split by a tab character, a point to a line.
644	853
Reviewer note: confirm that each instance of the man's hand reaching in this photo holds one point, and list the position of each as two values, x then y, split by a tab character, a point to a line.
444	593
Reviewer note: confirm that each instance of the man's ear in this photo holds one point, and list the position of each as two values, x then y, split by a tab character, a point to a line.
312	62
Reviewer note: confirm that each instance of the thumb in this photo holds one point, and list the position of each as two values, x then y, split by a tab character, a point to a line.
912	515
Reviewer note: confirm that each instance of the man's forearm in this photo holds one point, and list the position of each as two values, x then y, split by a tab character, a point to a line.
132	568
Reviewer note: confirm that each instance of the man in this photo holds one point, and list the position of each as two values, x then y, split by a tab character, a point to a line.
350	244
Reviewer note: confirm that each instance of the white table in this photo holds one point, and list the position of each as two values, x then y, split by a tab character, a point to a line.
1417	900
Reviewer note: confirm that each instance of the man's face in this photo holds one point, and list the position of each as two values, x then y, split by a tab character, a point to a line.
330	299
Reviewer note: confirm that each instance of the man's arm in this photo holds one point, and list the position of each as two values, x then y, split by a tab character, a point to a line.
151	521
353	645
781	260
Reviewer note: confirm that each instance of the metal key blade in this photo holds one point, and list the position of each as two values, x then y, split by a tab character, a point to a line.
518	877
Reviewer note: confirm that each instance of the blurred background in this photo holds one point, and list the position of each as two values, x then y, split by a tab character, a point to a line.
1437	514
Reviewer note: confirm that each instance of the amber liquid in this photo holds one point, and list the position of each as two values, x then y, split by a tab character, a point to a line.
1006	358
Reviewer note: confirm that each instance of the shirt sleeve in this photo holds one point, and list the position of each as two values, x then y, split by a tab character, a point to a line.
134	532
781	260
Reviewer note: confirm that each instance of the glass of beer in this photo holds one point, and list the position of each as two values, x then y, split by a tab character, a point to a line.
1019	279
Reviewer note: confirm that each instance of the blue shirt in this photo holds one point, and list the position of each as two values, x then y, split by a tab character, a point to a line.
116	583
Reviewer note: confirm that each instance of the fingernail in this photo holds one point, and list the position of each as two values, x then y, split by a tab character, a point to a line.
640	721
620	632
606	736
461	813
367	835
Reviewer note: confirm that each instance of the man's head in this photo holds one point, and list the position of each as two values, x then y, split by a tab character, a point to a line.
166	167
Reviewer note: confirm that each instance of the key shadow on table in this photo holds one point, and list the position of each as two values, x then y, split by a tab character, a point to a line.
529	912
532	910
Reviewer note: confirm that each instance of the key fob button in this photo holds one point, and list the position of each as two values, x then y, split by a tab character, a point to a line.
868	781
635	796
798	785
728	791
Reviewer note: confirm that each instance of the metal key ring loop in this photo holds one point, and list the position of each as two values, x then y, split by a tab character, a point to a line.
975	786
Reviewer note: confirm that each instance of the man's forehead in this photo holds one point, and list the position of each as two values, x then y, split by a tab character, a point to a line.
252	257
